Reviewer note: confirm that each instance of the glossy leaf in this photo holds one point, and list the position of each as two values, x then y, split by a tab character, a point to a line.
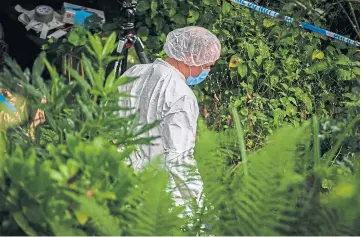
268	23
242	70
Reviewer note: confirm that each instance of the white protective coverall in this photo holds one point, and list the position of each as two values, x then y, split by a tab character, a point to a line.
160	93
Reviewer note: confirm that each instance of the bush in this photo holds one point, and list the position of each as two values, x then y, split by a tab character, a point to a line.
78	183
303	179
275	73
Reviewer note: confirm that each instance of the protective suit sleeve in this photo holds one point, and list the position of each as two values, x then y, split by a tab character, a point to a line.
179	133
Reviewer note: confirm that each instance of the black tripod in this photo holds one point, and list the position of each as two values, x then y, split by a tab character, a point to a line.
3	46
127	38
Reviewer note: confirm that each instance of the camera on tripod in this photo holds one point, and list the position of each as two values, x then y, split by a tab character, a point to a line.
128	11
127	38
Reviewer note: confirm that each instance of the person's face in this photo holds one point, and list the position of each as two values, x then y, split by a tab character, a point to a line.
196	70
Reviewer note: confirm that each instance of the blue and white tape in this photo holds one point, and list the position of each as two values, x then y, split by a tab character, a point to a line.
7	104
302	24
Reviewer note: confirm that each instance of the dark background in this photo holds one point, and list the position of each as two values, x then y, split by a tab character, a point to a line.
21	47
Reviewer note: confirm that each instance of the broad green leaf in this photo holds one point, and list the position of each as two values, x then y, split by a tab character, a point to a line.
269	66
110	45
87	113
56	175
148	21
276	116
226	7
159	23
81	216
274	80
179	19
267	22
109	82
73	38
290	109
38	69
95	43
206	2
317	54
342	60
143	5
293	100
251	51
172	12
154	5
91	74
317	67
193	16
356	70
242	69
23	223
153	14
237	103
90	50
259	60
79	79
183	8
307	101
346	74
214	3
284	85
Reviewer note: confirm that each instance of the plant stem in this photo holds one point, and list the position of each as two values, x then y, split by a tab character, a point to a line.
316	140
348	17
242	145
354	16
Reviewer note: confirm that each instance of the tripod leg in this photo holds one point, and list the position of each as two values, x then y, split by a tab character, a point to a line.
124	61
118	66
139	49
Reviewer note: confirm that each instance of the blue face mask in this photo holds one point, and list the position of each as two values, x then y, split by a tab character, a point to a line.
191	81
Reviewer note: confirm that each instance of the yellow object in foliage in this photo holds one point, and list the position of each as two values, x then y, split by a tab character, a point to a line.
234	61
81	217
108	195
317	55
344	190
9	118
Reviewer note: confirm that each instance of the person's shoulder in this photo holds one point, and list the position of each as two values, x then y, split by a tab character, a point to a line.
136	70
163	69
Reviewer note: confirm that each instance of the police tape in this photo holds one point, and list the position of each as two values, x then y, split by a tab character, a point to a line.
302	24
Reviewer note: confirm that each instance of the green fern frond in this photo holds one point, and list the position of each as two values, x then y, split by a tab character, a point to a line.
61	230
103	222
149	208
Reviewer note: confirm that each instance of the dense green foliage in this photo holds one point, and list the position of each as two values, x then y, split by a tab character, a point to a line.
79	185
274	72
298	175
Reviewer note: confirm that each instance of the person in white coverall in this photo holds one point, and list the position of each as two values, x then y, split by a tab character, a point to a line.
161	92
